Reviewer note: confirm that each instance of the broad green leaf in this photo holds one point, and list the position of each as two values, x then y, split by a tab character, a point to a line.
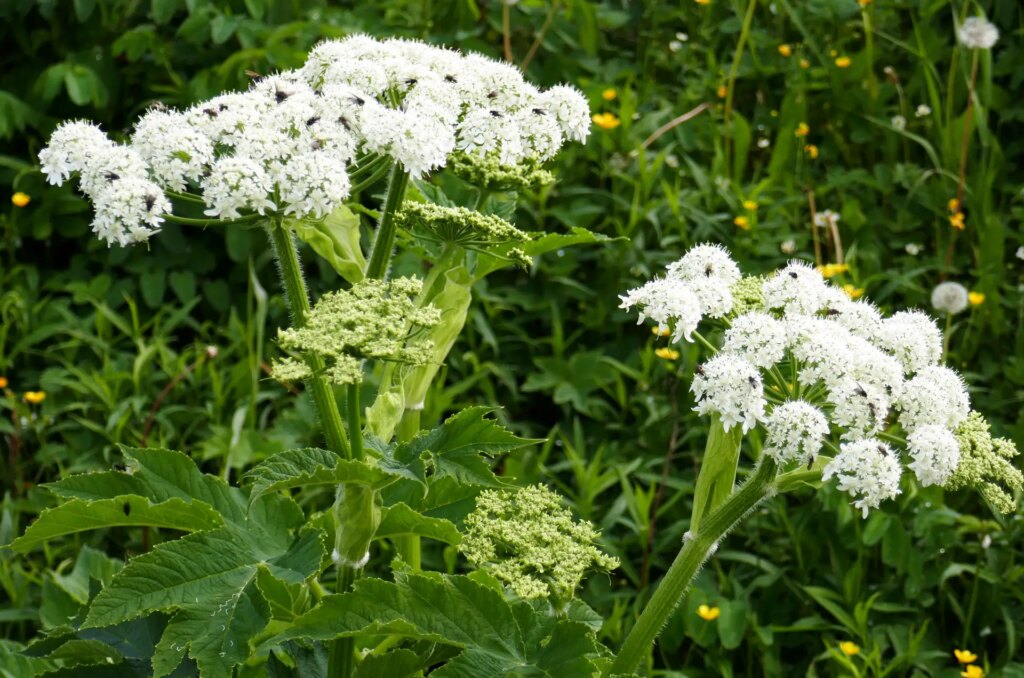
455	610
732	623
286	601
336	239
401	520
216	634
77	515
458	446
190	571
77	652
309	466
395	664
91	564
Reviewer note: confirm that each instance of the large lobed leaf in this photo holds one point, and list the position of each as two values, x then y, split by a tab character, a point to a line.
496	638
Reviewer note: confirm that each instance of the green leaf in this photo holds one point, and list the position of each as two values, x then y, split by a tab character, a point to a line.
457	611
216	634
399	520
458	446
732	623
78	515
91	564
336	239
163	10
77	652
309	466
546	242
395	664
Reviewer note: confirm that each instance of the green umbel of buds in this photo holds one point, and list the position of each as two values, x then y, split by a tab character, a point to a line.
985	464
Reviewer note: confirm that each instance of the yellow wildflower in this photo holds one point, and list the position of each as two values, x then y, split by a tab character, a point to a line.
20	199
721	91
609	94
606	120
666	353
852	291
965	656
804	63
811	150
750	205
863	3
832	270
802	130
849	648
973	671
743	222
702	2
953	205
976	299
833	53
661	331
957	221
708	613
843	61
785	50
3	382
35	397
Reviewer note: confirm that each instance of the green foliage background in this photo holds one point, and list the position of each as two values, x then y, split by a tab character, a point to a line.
166	346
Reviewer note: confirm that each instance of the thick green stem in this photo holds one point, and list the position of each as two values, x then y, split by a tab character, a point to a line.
717	472
380	255
355	428
298	303
408	545
341	663
696	549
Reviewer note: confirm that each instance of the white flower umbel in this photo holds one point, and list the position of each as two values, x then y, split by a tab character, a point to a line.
860	318
935	452
176	151
796	289
730	387
949	297
670	303
913	338
237	183
71	146
570	109
794	432
129	211
868	471
706	260
757	337
859	408
311	183
977	33
821	346
936	395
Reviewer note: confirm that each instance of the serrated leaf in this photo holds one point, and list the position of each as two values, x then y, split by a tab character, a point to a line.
336	239
197	568
458	446
457	611
91	564
100	485
310	466
216	634
399	520
78	652
77	515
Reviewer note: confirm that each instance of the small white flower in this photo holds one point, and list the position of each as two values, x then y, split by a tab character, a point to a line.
860	318
682	37
730	387
1020	252
570	109
949	297
788	246
668	302
913	338
176	151
977	33
129	210
826	219
236	183
913	249
868	471
935	452
757	337
794	432
860	408
706	260
675	45
797	289
763	142
923	111
898	122
936	395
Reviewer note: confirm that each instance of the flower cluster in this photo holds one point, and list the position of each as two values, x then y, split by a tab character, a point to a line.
528	539
374	319
288	143
463	227
822	372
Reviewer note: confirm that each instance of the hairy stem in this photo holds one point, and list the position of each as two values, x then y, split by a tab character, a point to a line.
298	302
380	254
342	659
696	549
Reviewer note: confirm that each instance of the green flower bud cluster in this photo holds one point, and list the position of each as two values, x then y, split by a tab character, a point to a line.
529	540
985	464
374	319
747	295
488	173
463	227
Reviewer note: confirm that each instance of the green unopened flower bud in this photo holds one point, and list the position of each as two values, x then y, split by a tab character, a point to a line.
488	173
747	295
985	464
463	227
356	519
529	540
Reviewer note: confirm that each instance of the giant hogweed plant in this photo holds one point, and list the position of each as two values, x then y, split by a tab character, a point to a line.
822	388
